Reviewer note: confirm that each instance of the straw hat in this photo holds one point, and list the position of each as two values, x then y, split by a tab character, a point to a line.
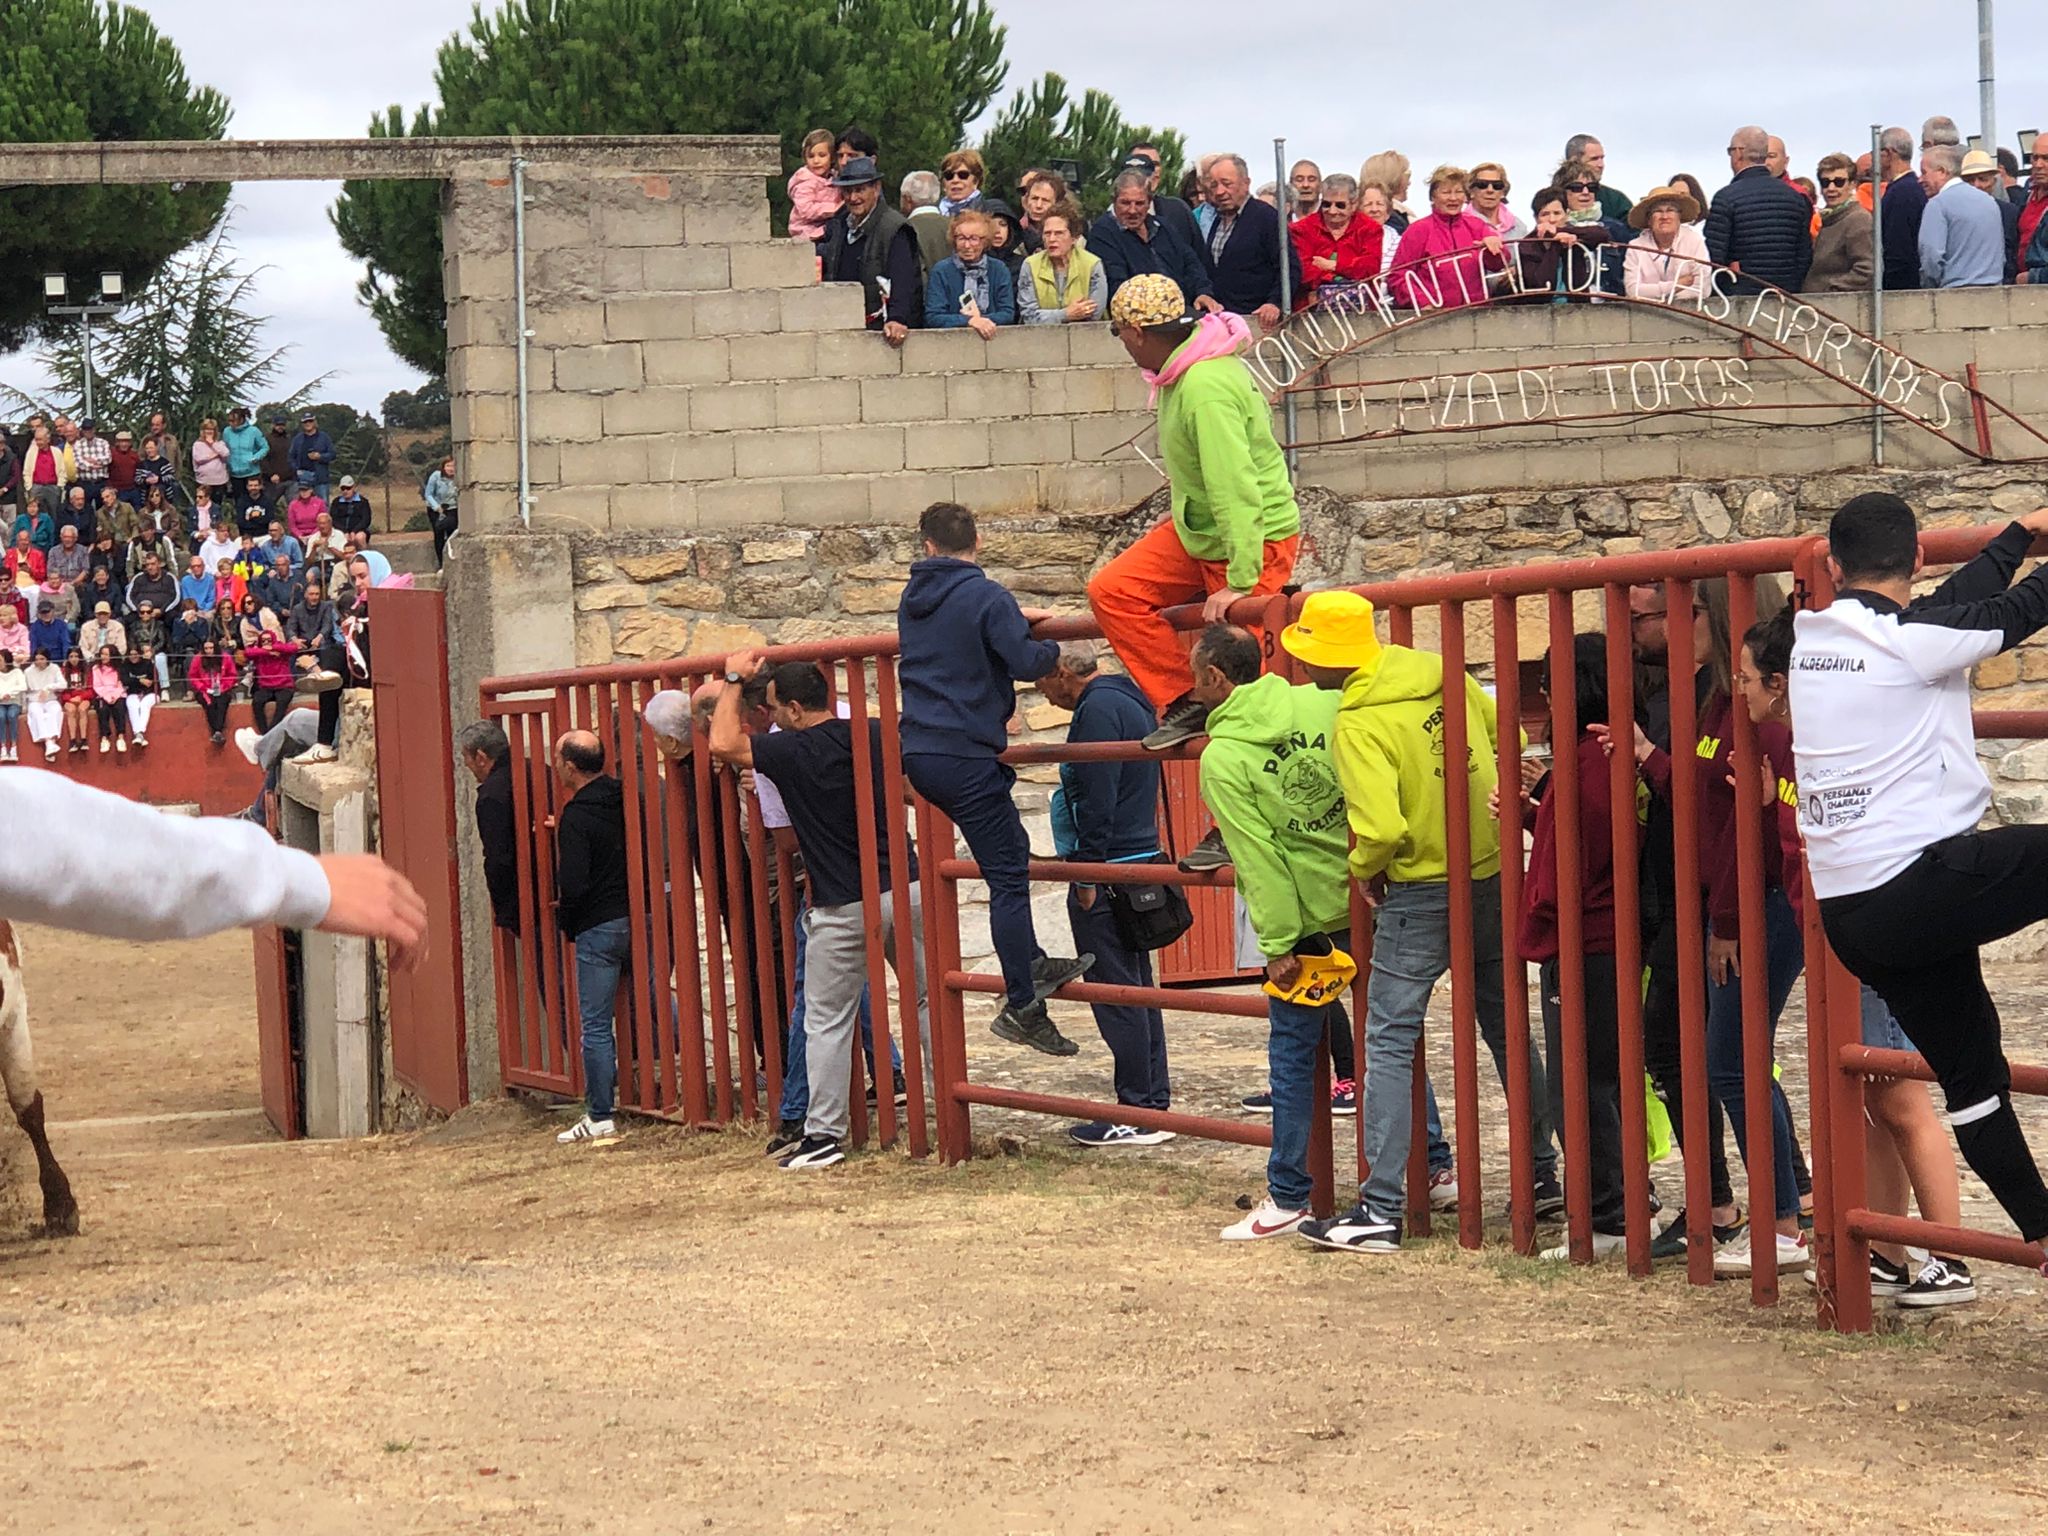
1977	163
1688	206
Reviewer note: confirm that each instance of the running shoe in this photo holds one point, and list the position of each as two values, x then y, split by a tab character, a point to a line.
1269	1220
1206	855
1443	1189
1257	1103
1104	1133
1671	1242
1941	1283
1344	1097
1549	1199
1886	1278
787	1134
589	1130
1032	1026
1604	1243
1734	1258
1184	721
245	742
1355	1231
812	1153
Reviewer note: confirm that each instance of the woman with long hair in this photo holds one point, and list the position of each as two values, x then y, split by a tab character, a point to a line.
76	698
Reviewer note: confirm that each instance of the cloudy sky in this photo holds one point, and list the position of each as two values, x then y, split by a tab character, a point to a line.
1507	82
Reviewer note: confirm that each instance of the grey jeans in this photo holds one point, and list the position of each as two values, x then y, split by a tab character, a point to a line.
835	971
1411	950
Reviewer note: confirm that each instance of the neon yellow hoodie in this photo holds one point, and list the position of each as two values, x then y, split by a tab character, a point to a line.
1389	752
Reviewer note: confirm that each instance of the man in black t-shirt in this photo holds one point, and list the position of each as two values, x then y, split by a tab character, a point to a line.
812	763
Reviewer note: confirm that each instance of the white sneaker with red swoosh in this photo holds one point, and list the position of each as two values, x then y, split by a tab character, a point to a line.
1269	1220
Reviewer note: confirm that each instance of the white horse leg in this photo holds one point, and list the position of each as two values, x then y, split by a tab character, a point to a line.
18	1071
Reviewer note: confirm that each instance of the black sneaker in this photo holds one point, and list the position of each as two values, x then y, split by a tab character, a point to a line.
1033	1026
787	1134
814	1152
1049	973
1886	1278
1206	855
1355	1231
902	1090
1257	1103
1942	1283
1549	1199
1671	1242
1184	720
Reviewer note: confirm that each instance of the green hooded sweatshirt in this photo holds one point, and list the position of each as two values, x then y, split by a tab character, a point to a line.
1231	495
1390	753
1268	780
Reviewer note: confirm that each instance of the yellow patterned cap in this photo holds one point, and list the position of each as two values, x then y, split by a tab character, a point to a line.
1150	298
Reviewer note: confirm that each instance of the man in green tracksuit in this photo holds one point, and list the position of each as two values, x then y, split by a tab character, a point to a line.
1268	780
1389	753
1235	527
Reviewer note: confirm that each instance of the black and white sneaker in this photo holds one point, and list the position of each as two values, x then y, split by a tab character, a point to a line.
813	1152
1355	1231
787	1134
1104	1133
1941	1283
1032	1026
1184	720
1549	1199
1886	1278
1051	972
1206	855
1257	1103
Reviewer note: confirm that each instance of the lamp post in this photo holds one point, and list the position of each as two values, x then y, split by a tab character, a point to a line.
56	294
1987	85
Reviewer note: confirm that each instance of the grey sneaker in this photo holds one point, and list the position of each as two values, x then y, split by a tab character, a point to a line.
1184	721
1033	1026
1206	855
1049	973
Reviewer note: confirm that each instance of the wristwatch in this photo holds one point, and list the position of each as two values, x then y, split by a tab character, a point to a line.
733	677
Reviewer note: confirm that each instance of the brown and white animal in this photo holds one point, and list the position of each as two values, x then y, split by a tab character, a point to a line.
18	1070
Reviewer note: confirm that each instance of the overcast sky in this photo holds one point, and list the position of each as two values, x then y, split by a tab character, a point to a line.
1505	81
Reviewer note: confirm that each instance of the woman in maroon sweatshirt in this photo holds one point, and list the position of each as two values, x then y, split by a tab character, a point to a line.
1538	939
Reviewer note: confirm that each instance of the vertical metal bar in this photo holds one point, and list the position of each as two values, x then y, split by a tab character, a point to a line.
1514	973
1682	665
1458	809
866	773
932	850
1978	414
1754	958
1571	971
1322	1137
1877	185
710	839
682	841
568	1043
530	1037
956	1117
740	940
1987	82
768	976
639	1002
1628	932
524	333
1401	631
1283	198
909	979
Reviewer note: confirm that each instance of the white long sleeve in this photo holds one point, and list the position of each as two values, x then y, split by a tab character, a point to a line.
109	866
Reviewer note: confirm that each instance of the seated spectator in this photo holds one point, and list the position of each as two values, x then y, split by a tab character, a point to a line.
221	544
1444	259
253	505
100	590
1667	262
64	570
968	288
1336	244
207	511
13	695
918	197
1756	223
211	677
154	541
1488	189
49	632
303	513
230	585
189	625
14	637
1962	236
148	633
1585	217
1981	172
15	603
77	513
40	527
1389	171
349	513
227	627
138	677
110	699
1132	239
1063	280
110	515
110	557
197	582
1842	255
102	631
812	198
1245	245
277	588
24	562
44	702
269	655
275	541
874	245
153	584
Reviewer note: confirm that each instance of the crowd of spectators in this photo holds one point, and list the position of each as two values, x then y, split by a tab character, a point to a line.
950	252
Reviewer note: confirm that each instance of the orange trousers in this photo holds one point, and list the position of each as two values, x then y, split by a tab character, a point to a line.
1130	593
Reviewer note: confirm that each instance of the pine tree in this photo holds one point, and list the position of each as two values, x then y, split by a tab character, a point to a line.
1042	124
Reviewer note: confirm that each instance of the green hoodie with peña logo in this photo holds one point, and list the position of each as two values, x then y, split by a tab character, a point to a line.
1268	779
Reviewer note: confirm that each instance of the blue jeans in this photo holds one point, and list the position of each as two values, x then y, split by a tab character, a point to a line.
1785	950
796	1074
975	793
10	719
1291	1073
1411	951
603	955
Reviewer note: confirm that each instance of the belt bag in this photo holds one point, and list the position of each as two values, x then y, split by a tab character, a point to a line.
1149	916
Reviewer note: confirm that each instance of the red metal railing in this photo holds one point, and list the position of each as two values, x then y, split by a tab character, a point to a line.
718	1054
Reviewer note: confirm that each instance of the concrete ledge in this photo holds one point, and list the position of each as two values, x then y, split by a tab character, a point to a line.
433	159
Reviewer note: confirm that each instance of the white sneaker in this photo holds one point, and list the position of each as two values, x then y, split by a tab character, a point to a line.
1269	1220
321	681
588	1129
1443	1190
106	745
1604	1244
141	741
121	745
317	754
246	739
49	750
1733	1256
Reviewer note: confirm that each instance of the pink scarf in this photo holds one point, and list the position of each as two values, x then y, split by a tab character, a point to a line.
1216	335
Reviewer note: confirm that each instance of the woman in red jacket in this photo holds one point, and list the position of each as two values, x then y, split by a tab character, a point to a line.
1337	243
212	676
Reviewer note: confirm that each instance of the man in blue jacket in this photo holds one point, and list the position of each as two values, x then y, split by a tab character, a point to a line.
1900	209
1757	224
1132	238
312	455
1108	813
964	644
1245	246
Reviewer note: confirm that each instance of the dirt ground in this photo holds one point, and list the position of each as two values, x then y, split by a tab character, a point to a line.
467	1330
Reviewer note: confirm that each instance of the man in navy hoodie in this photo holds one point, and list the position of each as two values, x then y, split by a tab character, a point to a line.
964	646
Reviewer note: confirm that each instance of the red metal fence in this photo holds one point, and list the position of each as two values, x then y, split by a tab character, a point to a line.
709	907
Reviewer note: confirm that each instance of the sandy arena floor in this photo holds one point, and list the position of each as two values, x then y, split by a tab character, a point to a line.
468	1330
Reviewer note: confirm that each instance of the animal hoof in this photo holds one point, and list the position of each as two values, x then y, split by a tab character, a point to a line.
60	1217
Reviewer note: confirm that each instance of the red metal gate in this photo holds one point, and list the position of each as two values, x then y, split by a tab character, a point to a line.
416	807
277	1070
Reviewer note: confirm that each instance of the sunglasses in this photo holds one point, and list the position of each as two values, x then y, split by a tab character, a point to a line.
1489	185
1336	207
1581	186
1834	181
959	175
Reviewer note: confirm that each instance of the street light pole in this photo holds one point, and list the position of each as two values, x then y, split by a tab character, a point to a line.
56	289
88	364
1987	85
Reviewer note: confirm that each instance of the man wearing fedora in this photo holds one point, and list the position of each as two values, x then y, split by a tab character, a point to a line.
1389	755
1962	235
870	243
1985	174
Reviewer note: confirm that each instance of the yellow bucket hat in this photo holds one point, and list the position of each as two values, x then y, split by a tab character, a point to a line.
1150	298
1335	630
1322	980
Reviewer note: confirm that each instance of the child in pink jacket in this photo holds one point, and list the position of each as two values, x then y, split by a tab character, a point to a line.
812	197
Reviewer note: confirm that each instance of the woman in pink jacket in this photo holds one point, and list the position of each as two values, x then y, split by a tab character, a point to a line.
1447	257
